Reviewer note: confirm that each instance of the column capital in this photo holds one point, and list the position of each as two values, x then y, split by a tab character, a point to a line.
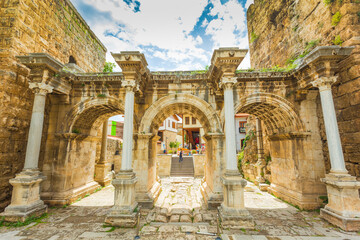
324	83
40	88
129	85
227	82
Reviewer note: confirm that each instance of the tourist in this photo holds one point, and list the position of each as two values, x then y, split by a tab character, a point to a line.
181	156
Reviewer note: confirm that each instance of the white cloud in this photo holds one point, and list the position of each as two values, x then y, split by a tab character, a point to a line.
230	20
248	3
164	27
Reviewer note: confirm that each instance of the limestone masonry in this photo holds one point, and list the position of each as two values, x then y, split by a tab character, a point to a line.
280	31
24	30
55	102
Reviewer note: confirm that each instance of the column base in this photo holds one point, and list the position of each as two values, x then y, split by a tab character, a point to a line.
235	218
212	200
343	209
345	223
232	211
25	200
125	210
146	200
122	220
307	201
102	174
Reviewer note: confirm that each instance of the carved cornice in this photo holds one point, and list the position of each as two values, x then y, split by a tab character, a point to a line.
46	69
321	62
131	63
99	77
228	59
41	60
224	62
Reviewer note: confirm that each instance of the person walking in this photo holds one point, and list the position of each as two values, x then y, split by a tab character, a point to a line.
181	156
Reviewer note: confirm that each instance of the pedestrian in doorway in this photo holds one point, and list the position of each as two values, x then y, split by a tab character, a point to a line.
181	156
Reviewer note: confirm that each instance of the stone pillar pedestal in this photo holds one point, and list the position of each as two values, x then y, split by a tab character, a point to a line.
102	167
260	164
343	209
232	211
102	174
25	200
125	210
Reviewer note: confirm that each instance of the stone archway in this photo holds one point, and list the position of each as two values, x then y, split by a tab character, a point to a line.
276	112
70	156
293	175
182	103
85	113
174	103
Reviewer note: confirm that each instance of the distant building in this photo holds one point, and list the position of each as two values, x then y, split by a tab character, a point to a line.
115	129
168	132
193	131
240	121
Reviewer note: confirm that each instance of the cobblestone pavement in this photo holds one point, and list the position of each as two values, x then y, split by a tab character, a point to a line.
178	214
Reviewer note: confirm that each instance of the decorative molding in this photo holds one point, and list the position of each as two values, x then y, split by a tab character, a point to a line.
40	88
324	83
227	82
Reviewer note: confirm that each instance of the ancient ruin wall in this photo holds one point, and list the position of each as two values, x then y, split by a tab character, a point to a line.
30	26
280	30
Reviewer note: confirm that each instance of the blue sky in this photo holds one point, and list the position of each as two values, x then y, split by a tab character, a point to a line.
173	35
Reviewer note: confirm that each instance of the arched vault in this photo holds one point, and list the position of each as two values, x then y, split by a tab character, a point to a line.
180	103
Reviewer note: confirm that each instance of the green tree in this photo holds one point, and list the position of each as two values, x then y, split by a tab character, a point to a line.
172	145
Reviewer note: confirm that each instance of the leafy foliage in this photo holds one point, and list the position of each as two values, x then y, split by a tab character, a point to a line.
308	47
328	2
336	18
337	40
109	67
201	71
75	130
27	221
253	37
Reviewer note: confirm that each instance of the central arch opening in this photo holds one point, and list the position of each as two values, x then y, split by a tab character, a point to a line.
192	127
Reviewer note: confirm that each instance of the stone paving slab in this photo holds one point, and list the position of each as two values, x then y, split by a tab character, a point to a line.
275	220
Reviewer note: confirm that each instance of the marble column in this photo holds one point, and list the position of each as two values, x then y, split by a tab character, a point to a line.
231	159
25	200
232	211
343	208
102	167
260	164
126	163
125	210
331	126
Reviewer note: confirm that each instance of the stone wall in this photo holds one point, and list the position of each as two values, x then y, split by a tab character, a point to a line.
163	165
280	30
250	153
29	26
169	136
199	162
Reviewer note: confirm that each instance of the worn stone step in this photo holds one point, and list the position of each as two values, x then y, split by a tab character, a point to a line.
183	168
